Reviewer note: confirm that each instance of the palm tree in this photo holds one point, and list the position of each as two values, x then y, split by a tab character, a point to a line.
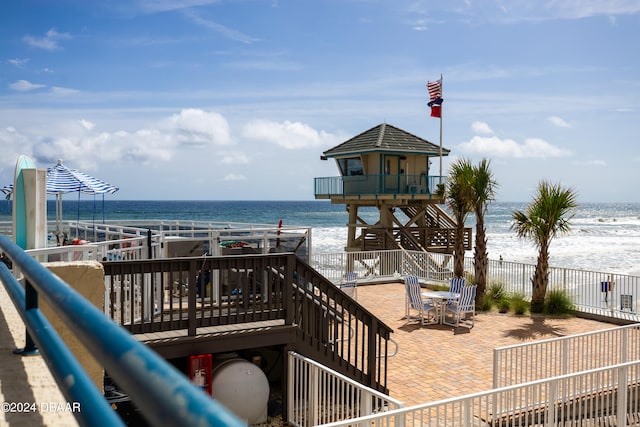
484	187
547	216
459	192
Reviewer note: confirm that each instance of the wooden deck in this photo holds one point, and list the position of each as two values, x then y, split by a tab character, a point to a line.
217	339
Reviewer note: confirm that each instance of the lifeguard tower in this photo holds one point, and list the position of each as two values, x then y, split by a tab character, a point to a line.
390	169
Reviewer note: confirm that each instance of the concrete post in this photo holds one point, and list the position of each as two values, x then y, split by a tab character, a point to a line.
87	278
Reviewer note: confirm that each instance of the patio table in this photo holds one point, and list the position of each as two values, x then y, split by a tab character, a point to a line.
441	298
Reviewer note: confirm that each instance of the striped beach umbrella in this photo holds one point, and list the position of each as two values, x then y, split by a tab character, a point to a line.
61	180
7	190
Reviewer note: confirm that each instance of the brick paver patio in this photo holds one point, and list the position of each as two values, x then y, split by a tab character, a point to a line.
437	362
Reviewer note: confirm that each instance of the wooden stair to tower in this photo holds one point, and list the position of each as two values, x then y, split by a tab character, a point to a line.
435	216
436	235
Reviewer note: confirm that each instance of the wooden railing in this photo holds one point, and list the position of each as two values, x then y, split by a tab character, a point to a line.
188	293
413	238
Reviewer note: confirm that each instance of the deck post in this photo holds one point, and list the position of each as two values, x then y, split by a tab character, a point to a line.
192	295
287	289
372	354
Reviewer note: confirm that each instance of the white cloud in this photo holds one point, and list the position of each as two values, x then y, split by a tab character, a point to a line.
525	10
481	128
58	90
595	162
234	177
290	135
559	122
82	143
233	158
25	86
494	146
18	62
264	65
420	25
13	144
87	124
50	41
219	28
198	127
488	144
152	6
576	9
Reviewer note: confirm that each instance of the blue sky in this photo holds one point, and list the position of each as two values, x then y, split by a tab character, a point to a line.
237	99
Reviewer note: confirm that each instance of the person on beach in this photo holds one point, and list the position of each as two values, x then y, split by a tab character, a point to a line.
607	288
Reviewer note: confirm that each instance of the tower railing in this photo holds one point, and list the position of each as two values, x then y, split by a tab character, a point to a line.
351	185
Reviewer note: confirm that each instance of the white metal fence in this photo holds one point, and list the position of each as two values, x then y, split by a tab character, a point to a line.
208	236
535	360
376	266
588	289
606	294
318	395
604	396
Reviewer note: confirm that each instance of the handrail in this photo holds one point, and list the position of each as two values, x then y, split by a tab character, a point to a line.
94	408
538	359
163	394
309	406
608	392
291	291
314	327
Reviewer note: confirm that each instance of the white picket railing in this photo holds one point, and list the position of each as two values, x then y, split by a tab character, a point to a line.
605	396
535	360
377	266
617	300
318	395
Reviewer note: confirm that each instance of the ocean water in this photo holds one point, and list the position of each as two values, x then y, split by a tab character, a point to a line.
603	237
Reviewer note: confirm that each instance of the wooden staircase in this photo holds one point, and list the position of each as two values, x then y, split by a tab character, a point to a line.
437	236
274	300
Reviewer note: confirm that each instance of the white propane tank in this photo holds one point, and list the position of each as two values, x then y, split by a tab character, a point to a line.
243	388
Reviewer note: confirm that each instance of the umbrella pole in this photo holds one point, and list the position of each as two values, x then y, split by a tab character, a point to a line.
59	233
78	219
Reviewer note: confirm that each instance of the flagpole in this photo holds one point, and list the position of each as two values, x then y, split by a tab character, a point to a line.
441	132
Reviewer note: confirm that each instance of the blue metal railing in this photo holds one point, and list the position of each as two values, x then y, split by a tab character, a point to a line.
164	395
377	184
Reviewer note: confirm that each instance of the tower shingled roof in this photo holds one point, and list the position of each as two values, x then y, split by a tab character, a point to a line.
385	137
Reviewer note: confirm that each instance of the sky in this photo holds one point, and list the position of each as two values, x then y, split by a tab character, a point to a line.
238	99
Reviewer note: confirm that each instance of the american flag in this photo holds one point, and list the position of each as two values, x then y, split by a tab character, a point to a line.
435	89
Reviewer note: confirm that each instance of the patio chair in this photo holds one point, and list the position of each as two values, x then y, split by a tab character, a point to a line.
455	287
349	284
427	310
456	284
459	311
